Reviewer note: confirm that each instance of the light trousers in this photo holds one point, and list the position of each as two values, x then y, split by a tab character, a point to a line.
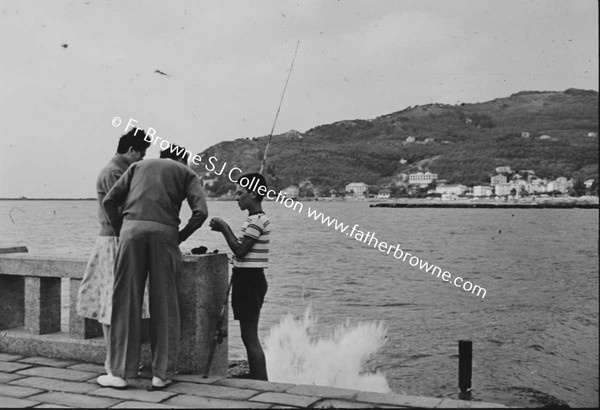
150	250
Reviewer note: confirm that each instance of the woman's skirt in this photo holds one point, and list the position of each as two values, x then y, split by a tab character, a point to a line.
94	300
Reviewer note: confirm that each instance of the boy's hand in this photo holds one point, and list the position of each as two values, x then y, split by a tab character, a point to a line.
217	224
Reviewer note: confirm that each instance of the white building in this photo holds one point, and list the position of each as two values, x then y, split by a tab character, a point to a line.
209	182
422	179
291	192
560	184
384	194
451	192
497	179
410	139
357	189
500	170
483	190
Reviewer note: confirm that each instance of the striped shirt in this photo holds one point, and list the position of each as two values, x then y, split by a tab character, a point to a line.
256	227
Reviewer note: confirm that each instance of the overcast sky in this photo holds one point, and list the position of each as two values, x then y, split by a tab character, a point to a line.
227	62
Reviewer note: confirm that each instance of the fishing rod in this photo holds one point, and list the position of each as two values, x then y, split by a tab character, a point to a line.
221	332
262	165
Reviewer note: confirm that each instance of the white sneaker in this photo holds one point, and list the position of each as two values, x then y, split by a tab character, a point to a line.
108	380
159	383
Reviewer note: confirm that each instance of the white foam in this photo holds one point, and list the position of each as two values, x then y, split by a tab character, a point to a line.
336	359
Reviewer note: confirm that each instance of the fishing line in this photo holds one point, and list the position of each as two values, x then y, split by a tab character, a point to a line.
262	165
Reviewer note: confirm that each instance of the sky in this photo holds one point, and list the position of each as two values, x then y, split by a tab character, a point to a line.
227	63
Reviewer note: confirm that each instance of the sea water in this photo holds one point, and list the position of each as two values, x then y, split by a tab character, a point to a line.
534	334
295	355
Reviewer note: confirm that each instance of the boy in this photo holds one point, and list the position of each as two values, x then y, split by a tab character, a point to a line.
251	257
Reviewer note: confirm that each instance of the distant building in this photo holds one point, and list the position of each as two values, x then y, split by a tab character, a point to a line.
497	179
537	186
208	182
410	139
292	191
451	192
384	193
483	190
357	189
422	179
545	137
505	169
429	140
503	189
560	184
593	134
524	134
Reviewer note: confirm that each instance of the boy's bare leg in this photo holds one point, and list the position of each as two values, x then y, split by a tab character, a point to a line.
256	356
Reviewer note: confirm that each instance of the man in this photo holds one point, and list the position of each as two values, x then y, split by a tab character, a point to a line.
151	193
94	300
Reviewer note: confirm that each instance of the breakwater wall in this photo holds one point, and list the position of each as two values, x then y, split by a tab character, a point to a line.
30	310
500	205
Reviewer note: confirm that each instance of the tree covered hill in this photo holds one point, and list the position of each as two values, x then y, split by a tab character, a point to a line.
461	143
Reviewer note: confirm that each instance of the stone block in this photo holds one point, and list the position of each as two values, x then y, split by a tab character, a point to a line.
467	404
398	399
255	384
12	366
208	390
12	301
201	288
25	264
74	400
198	402
80	327
197	378
55	385
57	373
4	357
340	404
17	391
323	391
12	402
42	305
89	367
134	394
285	398
47	361
142	405
8	377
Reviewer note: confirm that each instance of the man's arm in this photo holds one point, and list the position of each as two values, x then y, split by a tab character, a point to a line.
239	249
115	198
197	202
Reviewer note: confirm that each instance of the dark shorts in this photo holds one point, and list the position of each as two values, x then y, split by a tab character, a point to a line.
248	290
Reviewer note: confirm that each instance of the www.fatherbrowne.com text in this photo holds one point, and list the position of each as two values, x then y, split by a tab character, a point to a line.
369	238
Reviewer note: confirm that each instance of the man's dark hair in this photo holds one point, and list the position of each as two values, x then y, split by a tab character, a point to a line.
175	152
252	184
135	139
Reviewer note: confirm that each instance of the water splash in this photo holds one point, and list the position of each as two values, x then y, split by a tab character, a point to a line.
293	356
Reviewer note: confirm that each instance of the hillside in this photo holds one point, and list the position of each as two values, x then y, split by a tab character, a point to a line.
461	143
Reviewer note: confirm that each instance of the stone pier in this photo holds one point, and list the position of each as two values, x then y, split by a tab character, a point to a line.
30	311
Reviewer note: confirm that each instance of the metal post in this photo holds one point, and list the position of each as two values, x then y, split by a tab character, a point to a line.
465	359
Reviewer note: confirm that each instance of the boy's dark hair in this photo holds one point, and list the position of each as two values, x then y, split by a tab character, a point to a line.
255	181
135	139
174	151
